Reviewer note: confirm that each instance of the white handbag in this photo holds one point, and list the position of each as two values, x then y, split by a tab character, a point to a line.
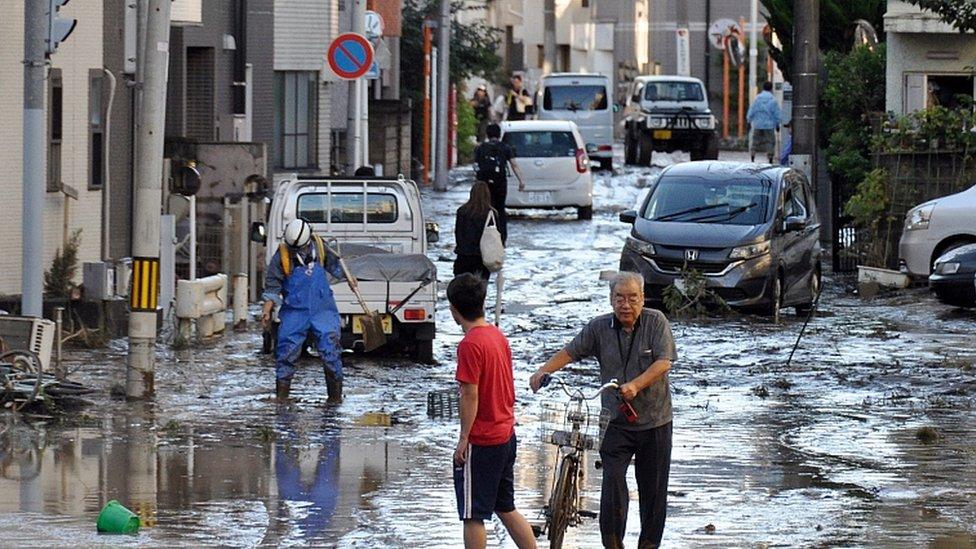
492	249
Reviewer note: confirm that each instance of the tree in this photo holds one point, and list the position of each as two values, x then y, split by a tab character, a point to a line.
474	46
837	19
958	13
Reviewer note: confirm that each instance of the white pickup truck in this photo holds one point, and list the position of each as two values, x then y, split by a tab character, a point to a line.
378	226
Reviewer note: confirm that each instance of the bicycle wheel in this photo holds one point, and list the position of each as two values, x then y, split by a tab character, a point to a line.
562	502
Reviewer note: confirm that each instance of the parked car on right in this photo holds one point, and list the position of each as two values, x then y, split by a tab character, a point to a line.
934	228
954	277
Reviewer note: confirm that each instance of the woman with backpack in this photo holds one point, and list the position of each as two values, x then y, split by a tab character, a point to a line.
472	217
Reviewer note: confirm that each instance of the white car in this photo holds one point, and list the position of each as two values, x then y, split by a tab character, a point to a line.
553	160
935	227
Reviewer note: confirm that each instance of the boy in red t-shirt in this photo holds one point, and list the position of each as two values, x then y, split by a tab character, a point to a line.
484	460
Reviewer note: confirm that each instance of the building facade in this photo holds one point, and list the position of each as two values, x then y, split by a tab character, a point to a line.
75	99
928	62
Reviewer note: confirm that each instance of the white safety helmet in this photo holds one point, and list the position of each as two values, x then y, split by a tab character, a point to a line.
297	233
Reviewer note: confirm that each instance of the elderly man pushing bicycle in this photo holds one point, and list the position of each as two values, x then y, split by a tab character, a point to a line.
635	346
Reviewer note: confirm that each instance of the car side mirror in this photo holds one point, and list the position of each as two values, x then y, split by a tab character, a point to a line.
628	216
258	233
794	223
591	148
433	232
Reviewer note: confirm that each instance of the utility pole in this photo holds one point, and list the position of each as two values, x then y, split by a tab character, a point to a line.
753	48
443	90
355	141
32	285
549	37
150	123
806	58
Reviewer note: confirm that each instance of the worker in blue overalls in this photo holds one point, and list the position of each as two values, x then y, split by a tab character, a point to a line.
296	280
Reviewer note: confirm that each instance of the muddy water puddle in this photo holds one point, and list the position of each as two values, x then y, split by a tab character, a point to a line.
865	440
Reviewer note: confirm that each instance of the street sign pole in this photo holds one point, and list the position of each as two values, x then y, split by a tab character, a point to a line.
443	89
753	49
354	136
32	272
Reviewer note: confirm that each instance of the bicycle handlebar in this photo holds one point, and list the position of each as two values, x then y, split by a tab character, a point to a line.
577	393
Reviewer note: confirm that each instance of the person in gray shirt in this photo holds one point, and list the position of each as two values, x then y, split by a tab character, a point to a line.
633	345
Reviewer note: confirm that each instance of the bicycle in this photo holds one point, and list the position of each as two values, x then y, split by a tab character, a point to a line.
563	509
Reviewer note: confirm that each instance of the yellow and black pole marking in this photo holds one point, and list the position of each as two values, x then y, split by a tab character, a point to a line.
144	290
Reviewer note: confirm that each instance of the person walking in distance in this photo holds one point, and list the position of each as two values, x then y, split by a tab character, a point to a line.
764	117
518	101
492	160
481	104
468	228
484	459
633	345
296	281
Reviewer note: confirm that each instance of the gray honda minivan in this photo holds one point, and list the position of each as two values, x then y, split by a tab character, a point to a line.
752	230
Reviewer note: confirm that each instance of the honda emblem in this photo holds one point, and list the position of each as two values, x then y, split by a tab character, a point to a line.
691	255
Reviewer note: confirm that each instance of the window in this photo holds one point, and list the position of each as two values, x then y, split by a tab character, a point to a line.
96	129
348	207
686	199
585	4
542	144
295	124
542	55
54	125
673	91
564	60
574	98
951	91
794	199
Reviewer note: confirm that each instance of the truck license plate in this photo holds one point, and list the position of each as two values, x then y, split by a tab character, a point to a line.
662	134
357	323
539	197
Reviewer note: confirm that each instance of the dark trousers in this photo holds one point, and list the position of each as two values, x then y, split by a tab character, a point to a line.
652	449
471	264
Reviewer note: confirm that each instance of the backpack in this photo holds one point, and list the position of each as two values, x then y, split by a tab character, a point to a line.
285	254
492	248
491	162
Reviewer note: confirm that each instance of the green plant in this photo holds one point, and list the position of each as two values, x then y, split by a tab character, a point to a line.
868	208
59	280
689	295
467	126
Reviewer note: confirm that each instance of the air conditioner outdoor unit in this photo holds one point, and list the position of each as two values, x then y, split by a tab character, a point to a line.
28	333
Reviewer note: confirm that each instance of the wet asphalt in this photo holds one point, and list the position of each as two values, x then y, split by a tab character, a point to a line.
865	440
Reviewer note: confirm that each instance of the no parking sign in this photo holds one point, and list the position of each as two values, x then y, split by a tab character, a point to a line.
350	56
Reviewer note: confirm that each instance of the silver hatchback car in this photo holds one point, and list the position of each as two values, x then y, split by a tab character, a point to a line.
935	227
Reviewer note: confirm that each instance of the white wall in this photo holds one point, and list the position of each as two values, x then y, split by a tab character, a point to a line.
919	53
79	53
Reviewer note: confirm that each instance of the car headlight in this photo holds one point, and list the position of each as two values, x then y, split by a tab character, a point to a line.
657	122
705	123
639	246
919	217
947	268
750	251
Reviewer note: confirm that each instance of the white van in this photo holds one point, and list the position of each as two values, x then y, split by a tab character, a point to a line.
583	99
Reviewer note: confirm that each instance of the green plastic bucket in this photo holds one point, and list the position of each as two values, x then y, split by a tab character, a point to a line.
116	519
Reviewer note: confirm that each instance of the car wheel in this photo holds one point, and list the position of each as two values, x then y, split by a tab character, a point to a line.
697	154
606	164
630	149
645	149
584	213
814	287
775	299
711	148
423	351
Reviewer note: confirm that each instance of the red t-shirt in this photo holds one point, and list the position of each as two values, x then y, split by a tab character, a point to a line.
485	360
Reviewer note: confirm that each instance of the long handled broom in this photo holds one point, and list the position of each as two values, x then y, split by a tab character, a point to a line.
373	335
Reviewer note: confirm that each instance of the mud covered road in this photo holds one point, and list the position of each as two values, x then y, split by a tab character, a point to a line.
867	439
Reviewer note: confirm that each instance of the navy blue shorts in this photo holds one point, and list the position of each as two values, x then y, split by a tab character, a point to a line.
485	484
